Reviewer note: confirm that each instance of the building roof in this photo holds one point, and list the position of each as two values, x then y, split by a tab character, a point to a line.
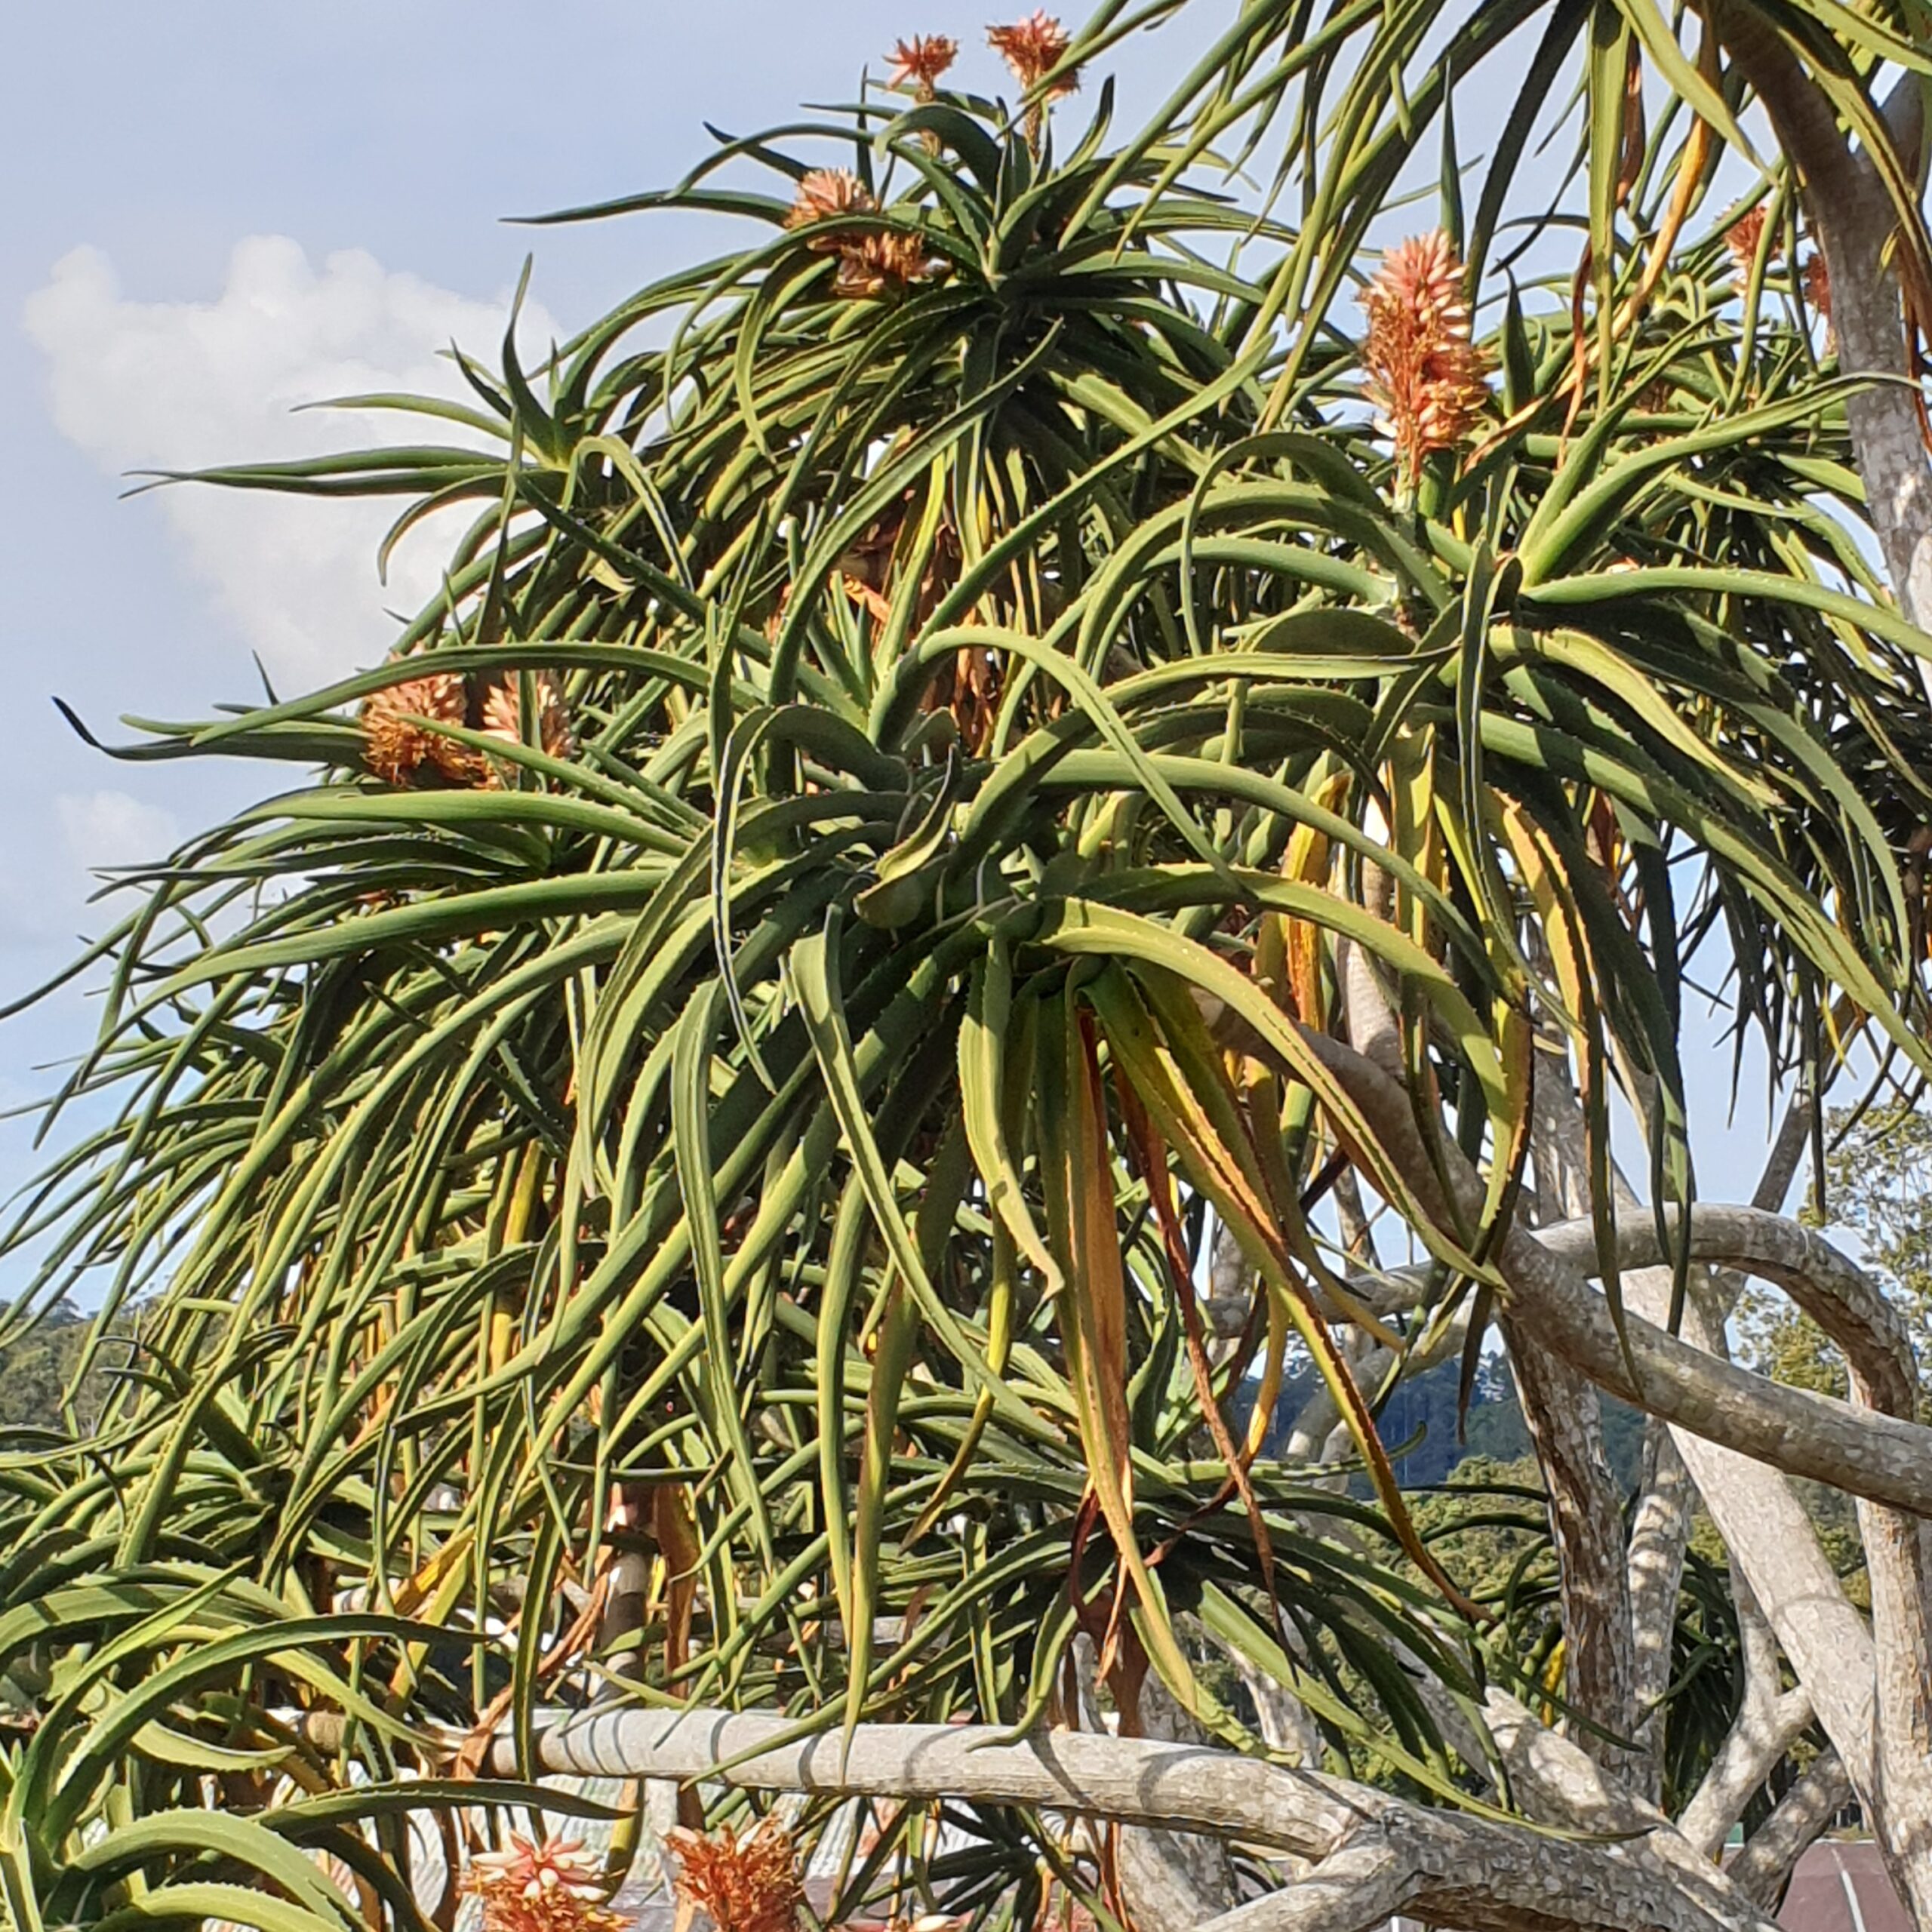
1842	1887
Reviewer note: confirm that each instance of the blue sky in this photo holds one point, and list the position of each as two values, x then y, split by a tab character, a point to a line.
223	208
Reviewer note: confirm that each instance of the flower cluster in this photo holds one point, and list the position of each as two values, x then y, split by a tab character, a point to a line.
1033	48
548	1888
1818	285
1742	237
1425	376
396	745
747	1885
502	714
823	195
871	261
918	63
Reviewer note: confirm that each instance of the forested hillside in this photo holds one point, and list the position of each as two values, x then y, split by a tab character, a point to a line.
36	1369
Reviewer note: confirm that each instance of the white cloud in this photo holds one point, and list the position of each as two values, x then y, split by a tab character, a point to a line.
181	385
47	876
107	828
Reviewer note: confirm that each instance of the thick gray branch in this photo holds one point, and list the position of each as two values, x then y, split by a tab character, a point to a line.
1889	1753
1167	1877
1763	1869
1769	1721
1855	221
1565	1423
1827	1285
1770	1538
1360	1887
1660	1532
1461	1871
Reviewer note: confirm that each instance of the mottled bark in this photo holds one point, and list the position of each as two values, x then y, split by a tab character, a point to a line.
1888	1752
1763	1523
1854	220
1735	1431
1553	1782
1898	1564
1565	1422
1771	1540
1167	1876
1358	1889
1659	1534
1791	1429
1871	1689
1283	1719
1666	1497
1729	1426
1857	224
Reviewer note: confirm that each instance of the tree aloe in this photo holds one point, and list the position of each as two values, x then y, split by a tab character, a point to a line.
761	1124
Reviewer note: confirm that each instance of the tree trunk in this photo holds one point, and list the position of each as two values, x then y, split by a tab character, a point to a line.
1586	1520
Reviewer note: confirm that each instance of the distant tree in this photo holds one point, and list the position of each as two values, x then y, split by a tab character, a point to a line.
38	1371
1878	1184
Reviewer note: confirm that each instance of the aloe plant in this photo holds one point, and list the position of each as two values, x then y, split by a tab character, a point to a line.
680	1156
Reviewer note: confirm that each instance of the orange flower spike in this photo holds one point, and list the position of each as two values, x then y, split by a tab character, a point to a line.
394	749
1033	48
918	63
1423	374
750	1885
548	1888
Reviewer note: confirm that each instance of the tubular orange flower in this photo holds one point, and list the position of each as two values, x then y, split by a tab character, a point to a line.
548	1888
393	748
1424	375
1033	48
918	63
747	1886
